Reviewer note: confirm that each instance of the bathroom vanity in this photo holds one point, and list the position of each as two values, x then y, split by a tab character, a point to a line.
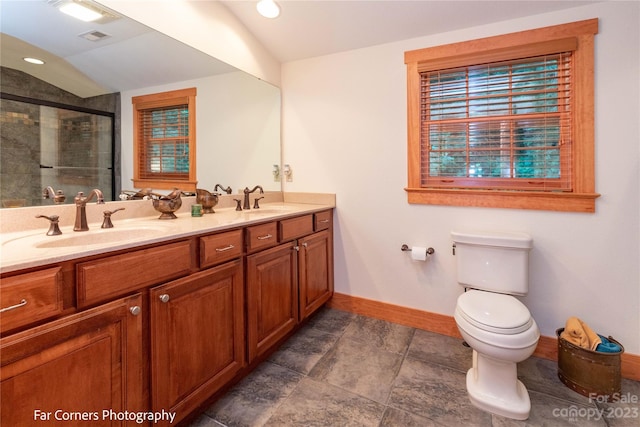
161	322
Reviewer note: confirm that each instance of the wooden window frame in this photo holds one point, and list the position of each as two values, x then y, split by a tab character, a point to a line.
500	48
163	100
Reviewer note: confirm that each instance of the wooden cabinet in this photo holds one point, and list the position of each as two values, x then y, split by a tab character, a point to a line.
288	283
197	337
272	297
295	227
220	247
109	277
262	236
159	328
315	271
30	297
83	363
315	258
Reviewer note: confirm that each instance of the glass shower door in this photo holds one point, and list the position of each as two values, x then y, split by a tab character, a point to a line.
76	151
66	148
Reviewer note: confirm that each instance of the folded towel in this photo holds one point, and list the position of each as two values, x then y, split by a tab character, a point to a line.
574	333
607	346
577	332
594	339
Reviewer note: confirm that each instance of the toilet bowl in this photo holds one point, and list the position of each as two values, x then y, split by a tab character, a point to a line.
499	339
495	324
501	333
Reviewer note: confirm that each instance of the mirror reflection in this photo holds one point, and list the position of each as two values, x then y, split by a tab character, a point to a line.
238	115
47	147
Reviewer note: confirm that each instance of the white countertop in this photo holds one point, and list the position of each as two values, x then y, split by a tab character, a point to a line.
33	248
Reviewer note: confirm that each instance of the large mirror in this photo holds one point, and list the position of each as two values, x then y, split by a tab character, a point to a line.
237	115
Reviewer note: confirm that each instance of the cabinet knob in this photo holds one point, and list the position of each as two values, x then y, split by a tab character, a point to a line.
164	298
135	310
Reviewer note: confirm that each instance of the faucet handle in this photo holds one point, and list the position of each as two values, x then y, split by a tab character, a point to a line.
255	202
54	228
238	204
106	223
59	198
227	190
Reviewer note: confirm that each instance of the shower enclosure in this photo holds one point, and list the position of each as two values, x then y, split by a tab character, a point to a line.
49	144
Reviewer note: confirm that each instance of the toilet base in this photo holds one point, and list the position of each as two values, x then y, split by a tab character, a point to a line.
498	390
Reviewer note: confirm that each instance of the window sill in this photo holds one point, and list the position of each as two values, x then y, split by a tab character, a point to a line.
565	202
189	186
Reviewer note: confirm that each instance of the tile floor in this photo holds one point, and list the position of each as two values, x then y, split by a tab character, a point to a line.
343	369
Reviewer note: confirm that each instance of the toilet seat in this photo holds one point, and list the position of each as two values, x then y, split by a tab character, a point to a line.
492	312
496	341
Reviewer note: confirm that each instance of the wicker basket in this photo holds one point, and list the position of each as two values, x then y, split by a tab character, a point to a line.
593	374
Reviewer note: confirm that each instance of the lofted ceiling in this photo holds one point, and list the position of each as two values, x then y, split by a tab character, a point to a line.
135	56
132	55
308	28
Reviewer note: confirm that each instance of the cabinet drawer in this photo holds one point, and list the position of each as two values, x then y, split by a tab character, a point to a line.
296	227
262	236
220	247
30	297
109	277
322	220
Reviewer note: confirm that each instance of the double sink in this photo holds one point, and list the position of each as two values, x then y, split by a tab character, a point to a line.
34	245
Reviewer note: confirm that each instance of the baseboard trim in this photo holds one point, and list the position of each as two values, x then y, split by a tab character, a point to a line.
439	323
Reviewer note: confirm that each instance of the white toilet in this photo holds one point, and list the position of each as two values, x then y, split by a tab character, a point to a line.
496	325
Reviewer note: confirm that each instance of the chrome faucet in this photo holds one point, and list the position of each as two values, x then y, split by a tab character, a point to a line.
246	204
81	208
57	196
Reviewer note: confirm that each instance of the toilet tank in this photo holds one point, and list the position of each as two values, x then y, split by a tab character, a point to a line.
493	261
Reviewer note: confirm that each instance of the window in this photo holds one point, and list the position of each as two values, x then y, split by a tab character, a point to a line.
164	140
505	121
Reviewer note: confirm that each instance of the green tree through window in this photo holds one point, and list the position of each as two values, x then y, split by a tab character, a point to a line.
501	120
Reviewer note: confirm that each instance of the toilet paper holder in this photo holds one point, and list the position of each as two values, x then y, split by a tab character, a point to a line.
406	248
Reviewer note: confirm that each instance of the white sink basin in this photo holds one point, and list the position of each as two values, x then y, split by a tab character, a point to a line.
270	210
99	237
92	237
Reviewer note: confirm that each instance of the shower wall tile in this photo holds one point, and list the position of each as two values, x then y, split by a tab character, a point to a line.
30	134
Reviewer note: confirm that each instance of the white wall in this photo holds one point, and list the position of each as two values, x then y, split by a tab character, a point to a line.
344	131
237	131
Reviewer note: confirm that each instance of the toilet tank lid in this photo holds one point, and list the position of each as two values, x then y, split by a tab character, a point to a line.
493	238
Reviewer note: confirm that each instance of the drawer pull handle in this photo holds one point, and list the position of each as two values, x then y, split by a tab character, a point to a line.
13	307
265	237
296	248
226	248
135	310
324	221
305	244
164	298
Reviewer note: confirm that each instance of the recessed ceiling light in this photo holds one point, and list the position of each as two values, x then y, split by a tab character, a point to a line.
80	11
34	61
268	8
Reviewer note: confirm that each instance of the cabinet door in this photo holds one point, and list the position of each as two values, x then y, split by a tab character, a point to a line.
315	264
272	297
197	337
84	364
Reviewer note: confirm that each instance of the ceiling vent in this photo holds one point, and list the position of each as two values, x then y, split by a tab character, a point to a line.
94	35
